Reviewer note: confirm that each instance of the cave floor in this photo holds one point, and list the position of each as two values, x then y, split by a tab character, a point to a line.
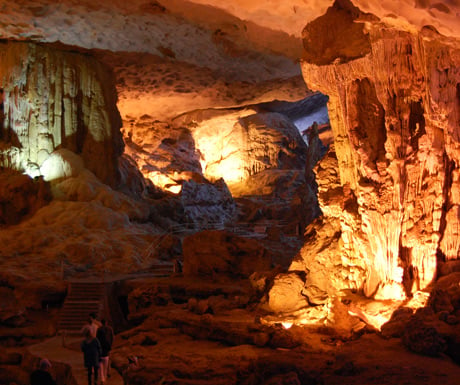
368	360
191	332
214	340
58	349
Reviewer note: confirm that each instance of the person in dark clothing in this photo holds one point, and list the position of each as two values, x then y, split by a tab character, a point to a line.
92	350
105	337
42	376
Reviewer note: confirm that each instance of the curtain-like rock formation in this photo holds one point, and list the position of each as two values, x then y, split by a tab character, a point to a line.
56	98
394	106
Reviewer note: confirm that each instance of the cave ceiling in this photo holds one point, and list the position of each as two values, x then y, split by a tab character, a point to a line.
216	47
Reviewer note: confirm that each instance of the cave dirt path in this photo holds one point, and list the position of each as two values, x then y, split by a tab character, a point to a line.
70	354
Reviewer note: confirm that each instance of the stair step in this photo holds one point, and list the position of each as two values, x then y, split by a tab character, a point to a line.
81	301
83	298
79	323
74	315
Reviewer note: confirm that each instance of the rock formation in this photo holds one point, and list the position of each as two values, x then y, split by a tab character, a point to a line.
394	105
55	98
221	252
20	196
208	93
238	144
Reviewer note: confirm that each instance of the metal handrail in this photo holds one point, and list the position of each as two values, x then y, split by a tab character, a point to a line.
183	227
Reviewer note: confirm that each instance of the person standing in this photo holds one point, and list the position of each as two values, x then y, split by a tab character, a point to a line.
92	350
105	337
42	376
92	325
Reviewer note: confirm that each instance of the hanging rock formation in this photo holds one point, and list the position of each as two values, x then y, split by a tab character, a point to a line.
54	98
394	105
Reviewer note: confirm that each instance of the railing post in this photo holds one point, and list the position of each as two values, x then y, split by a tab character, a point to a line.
64	332
62	270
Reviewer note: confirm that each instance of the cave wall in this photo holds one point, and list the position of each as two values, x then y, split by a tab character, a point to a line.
56	98
395	114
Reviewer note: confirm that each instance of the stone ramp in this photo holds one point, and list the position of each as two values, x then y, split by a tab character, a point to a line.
69	354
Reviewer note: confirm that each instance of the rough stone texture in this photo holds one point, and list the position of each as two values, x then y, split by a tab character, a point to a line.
396	325
20	196
445	295
207	205
423	338
261	157
321	254
394	109
165	155
210	252
246	145
55	98
16	367
285	295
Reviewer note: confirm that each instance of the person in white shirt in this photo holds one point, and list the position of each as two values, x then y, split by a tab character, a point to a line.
92	325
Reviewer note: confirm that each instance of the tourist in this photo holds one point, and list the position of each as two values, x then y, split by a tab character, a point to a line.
105	337
91	349
42	376
92	325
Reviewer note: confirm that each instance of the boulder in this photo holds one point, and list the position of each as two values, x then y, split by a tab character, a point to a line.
286	294
445	295
315	295
21	196
396	325
423	338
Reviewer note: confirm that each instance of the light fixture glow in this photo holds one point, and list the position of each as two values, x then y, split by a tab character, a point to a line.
287	325
164	182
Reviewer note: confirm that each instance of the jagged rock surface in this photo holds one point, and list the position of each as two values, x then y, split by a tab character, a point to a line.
246	144
222	252
208	204
54	98
20	196
394	109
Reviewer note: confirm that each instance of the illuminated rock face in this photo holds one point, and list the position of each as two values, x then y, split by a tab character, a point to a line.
57	99
243	146
394	106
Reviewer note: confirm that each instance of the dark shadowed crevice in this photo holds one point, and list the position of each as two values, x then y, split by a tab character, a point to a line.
369	135
448	180
416	123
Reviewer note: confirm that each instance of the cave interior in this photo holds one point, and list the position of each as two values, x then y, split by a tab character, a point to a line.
248	192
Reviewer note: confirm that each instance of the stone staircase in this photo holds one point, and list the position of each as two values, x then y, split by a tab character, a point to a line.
83	298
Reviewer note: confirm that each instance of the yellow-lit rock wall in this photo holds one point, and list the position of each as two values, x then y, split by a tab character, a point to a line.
55	98
394	104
